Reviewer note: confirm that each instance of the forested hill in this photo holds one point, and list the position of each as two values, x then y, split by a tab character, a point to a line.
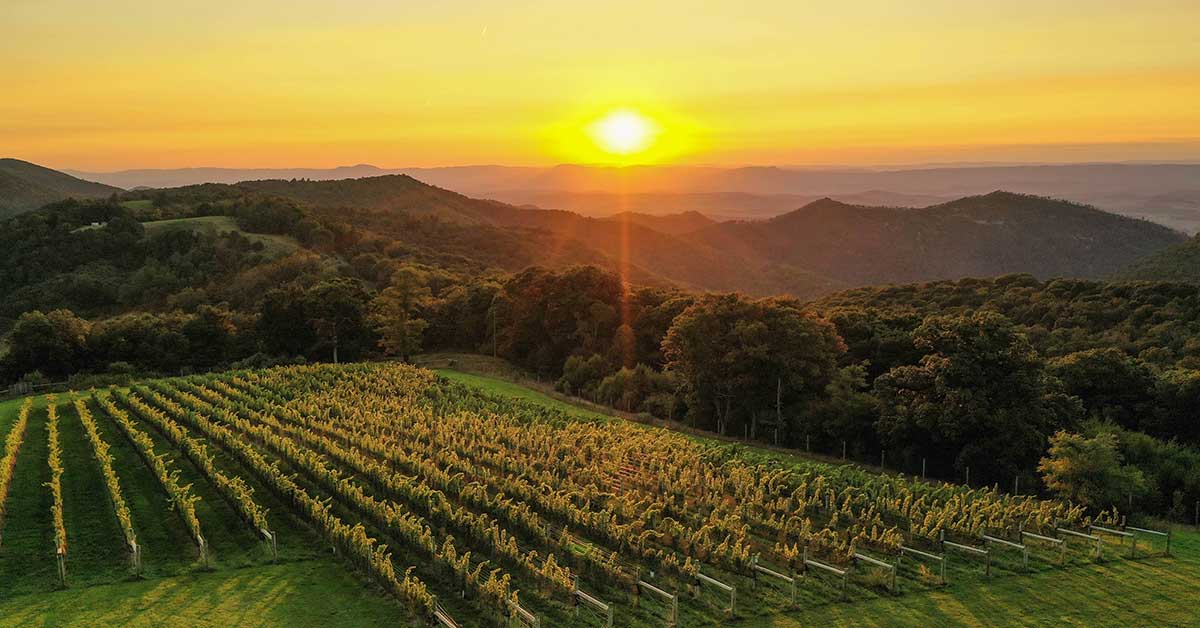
820	248
812	250
25	186
442	227
1180	262
979	236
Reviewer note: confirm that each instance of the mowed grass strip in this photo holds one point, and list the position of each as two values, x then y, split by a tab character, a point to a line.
97	552
167	548
27	562
308	594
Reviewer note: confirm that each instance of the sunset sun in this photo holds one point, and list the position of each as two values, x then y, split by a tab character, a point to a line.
624	132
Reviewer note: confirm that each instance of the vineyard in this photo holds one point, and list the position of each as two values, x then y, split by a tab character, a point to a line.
473	509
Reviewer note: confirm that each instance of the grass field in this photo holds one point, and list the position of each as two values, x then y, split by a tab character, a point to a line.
274	245
309	587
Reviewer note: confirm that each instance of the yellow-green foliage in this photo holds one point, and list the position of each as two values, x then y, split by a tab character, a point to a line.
101	450
181	496
56	471
12	447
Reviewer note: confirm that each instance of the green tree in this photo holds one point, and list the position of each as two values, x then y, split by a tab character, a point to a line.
53	343
1089	471
1112	385
282	326
980	398
742	359
337	311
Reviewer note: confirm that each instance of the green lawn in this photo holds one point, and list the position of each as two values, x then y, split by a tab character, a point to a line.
274	245
310	593
138	204
503	387
1144	592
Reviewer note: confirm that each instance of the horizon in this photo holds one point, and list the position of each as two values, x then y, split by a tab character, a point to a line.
186	84
879	167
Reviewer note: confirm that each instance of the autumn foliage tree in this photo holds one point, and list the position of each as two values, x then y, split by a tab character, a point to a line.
395	312
1089	471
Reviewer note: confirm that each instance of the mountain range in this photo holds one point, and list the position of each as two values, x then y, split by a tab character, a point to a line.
816	248
1165	193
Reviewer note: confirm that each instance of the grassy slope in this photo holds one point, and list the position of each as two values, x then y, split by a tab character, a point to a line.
312	592
275	245
308	588
1157	591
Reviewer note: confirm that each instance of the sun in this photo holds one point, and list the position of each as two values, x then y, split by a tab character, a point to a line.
623	132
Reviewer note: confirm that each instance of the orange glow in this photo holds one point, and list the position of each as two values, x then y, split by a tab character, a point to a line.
307	83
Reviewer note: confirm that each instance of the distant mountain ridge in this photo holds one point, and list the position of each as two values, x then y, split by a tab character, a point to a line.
823	246
1167	193
674	224
25	186
979	236
820	246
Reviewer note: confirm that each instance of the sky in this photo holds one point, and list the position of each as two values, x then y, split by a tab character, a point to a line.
300	83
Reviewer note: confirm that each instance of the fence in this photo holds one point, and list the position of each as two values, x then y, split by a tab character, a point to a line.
756	569
671	598
904	549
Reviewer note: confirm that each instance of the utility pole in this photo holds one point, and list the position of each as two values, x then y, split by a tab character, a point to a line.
778	404
495	342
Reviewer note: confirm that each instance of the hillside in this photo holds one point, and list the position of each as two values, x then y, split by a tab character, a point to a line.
821	248
648	250
818	247
1180	262
392	193
979	236
25	186
314	456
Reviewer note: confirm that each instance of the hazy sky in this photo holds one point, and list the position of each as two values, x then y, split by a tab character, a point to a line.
133	83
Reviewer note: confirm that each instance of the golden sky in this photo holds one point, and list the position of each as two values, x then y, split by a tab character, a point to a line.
172	83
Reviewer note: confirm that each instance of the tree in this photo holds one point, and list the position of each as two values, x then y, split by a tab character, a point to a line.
980	398
847	411
54	344
282	325
336	309
1089	471
1112	385
742	359
394	312
210	334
